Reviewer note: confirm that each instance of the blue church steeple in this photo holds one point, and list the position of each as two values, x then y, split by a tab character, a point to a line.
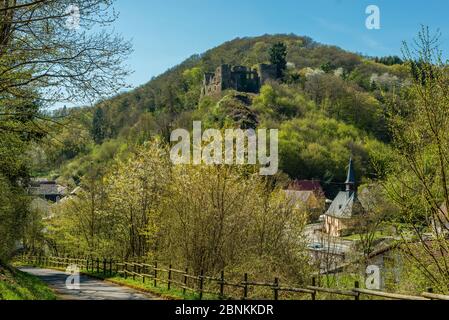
350	180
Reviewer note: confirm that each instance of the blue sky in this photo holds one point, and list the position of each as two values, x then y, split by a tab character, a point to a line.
165	32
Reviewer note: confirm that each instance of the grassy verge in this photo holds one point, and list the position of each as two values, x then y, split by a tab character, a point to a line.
17	285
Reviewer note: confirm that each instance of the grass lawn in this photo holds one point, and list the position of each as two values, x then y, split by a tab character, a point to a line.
16	285
355	237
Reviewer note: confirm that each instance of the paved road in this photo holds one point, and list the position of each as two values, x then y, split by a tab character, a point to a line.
90	288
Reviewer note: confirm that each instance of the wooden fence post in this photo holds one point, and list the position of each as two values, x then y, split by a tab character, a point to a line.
357	286
134	270
125	269
155	274
276	289
245	286
169	277
222	285
201	284
185	281
314	285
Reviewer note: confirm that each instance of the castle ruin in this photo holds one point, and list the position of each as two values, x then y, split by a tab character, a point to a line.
237	78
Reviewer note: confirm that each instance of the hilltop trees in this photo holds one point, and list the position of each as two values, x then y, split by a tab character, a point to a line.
389	60
278	57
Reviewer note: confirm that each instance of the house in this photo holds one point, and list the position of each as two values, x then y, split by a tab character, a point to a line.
307	196
47	189
307	185
308	193
303	199
341	216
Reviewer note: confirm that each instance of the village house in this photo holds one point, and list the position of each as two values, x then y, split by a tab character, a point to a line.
47	190
307	185
308	196
341	216
303	199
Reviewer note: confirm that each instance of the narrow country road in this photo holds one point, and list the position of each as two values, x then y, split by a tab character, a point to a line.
90	288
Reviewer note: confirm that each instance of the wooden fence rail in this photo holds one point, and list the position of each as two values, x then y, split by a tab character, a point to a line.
201	284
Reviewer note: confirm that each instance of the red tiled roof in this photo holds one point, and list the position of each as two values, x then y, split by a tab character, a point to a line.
306	185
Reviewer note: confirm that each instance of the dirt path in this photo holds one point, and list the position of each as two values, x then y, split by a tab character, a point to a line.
90	288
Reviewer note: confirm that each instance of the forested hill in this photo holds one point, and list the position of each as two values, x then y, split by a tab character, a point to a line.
329	104
167	92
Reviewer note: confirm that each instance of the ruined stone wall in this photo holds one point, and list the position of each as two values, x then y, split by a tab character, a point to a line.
266	72
238	78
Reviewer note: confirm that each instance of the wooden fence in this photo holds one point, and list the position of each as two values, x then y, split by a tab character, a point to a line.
217	287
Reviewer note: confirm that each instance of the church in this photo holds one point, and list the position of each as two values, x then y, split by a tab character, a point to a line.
340	218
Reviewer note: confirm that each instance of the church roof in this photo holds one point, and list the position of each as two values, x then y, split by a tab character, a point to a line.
345	205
